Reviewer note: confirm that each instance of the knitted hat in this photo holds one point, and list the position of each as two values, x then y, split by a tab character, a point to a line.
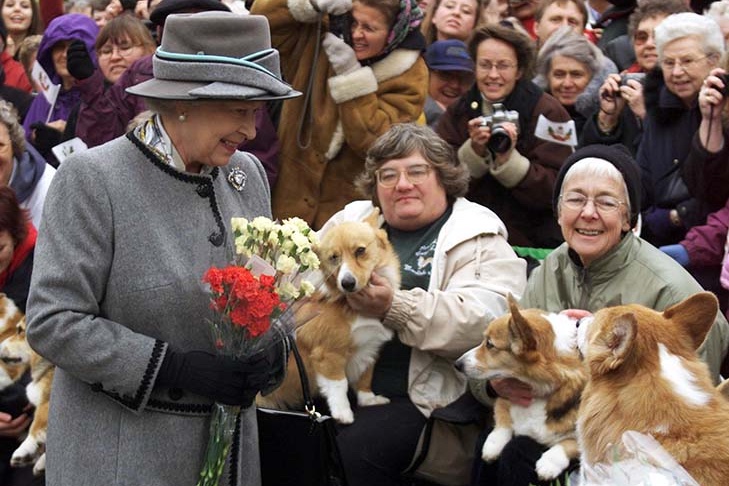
619	156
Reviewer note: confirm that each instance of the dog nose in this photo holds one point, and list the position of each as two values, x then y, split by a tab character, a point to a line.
459	364
349	283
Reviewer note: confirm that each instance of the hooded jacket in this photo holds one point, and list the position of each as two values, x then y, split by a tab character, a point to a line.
64	28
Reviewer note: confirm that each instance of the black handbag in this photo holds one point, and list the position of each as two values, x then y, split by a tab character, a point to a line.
299	448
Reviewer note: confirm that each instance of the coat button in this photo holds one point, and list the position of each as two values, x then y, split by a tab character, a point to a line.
675	161
175	394
204	190
216	239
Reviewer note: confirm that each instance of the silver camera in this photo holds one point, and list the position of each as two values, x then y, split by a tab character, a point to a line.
500	141
640	77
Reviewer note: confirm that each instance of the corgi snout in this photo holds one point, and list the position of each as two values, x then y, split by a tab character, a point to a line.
464	363
347	281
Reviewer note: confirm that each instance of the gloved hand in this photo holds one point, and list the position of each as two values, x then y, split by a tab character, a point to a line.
657	226
334	7
276	356
341	55
223	378
45	137
78	61
678	253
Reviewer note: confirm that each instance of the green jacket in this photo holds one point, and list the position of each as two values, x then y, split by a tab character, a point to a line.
634	272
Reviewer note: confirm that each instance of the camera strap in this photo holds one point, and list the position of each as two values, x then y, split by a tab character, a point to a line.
307	117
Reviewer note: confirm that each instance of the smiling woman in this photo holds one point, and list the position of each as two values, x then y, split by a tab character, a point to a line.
121	42
357	86
514	181
150	212
602	263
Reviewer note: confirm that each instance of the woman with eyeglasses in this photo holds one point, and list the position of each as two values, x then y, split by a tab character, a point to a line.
492	127
45	123
621	110
457	269
602	263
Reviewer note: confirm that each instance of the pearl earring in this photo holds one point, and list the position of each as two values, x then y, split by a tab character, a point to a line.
182	117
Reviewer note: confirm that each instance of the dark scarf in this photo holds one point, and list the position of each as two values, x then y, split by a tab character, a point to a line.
29	169
21	252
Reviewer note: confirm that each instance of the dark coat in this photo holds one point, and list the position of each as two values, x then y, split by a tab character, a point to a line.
526	209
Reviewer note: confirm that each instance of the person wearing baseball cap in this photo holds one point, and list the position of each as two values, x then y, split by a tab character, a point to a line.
451	74
143	217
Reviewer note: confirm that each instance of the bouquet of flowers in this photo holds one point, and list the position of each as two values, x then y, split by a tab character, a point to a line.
253	300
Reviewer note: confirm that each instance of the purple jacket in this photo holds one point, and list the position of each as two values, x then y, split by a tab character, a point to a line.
105	113
705	244
64	28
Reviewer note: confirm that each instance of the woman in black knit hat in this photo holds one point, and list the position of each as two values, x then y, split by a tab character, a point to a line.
602	263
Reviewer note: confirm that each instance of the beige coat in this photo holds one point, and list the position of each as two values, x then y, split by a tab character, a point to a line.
349	112
473	270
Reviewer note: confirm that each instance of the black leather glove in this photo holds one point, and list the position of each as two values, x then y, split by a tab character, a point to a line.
46	137
223	378
276	357
78	61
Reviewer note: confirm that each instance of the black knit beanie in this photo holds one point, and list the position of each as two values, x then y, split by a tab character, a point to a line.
621	158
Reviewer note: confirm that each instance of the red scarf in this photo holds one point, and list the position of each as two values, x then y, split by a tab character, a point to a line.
21	252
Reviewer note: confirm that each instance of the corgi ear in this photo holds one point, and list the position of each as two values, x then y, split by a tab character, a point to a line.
694	316
521	335
373	219
615	342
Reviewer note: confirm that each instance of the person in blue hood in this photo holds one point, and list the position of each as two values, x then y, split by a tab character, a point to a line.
42	130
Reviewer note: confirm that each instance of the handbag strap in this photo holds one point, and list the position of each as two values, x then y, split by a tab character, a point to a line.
306	391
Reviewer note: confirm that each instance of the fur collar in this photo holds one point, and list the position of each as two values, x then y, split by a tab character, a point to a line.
395	64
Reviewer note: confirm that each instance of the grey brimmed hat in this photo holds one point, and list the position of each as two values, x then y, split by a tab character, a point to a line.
215	55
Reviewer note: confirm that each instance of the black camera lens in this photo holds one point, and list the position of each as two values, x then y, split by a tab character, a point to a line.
500	141
725	79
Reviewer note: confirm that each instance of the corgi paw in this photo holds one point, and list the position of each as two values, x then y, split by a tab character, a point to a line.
495	442
366	399
40	465
343	416
26	454
552	463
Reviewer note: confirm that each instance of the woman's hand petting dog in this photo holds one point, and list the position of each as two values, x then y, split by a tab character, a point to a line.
515	391
375	299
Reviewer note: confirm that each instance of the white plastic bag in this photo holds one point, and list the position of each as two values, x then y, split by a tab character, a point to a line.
638	461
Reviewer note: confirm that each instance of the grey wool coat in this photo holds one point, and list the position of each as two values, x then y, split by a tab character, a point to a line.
124	242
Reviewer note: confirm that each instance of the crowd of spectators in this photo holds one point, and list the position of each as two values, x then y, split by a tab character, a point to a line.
512	88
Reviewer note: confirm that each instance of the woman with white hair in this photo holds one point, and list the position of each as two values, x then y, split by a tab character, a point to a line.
572	69
689	46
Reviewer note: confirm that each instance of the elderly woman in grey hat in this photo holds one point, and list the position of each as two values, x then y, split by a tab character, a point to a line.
129	228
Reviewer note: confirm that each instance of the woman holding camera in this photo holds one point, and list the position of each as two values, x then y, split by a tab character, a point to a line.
492	127
355	88
622	107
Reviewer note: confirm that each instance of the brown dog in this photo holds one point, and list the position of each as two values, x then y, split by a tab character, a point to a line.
645	376
540	349
339	347
15	352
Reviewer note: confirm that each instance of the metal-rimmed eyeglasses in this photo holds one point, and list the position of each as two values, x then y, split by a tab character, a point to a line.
576	201
684	64
501	66
124	49
415	174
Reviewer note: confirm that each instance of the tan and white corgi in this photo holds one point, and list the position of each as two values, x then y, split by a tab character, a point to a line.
10	316
339	347
539	349
644	375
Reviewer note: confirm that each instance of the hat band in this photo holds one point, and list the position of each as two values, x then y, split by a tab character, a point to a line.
210	68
